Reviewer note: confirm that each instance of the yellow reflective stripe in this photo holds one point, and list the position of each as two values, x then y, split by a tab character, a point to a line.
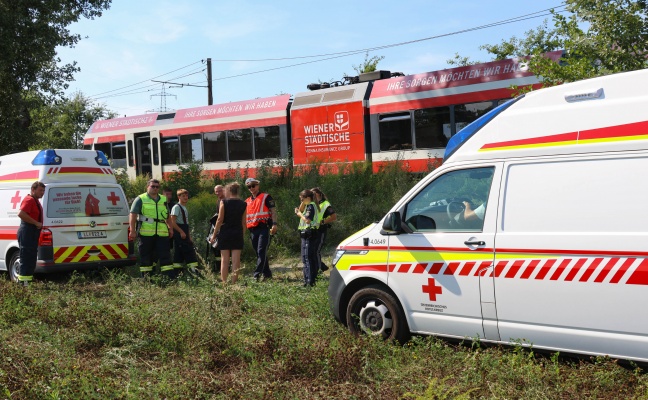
417	256
192	265
371	258
177	265
65	254
166	268
146	269
25	278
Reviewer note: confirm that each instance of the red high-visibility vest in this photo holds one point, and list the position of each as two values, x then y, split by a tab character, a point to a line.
257	211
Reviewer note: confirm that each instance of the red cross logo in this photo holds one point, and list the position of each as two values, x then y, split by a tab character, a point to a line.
432	289
16	199
113	198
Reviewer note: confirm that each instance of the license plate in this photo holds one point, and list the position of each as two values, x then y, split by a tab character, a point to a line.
91	234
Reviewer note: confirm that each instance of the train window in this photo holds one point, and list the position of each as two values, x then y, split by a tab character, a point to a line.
191	148
267	143
395	131
105	147
432	127
339	95
467	113
239	144
170	151
119	155
215	146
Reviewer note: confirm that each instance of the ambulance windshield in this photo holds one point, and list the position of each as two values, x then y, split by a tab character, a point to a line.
466	133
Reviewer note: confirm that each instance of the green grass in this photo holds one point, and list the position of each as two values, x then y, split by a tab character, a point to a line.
107	335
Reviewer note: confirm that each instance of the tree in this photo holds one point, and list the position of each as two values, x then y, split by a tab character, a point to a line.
30	74
369	64
599	37
63	124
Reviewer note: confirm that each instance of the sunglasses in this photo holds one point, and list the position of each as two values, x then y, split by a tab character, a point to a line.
155	186
251	185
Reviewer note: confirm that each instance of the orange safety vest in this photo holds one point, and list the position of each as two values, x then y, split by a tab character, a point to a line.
257	211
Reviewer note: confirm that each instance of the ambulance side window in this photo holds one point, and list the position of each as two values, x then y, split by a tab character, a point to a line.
454	201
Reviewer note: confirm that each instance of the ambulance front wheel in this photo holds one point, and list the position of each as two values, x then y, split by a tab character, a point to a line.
374	311
13	266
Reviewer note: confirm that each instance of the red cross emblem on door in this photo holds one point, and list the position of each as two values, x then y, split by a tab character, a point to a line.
16	199
113	198
432	289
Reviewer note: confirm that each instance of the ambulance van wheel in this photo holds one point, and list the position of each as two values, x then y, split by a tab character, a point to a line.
14	264
374	311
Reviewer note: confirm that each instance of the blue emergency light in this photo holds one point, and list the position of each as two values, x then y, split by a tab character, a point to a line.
47	157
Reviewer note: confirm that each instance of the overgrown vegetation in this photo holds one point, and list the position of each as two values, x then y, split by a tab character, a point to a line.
104	335
358	195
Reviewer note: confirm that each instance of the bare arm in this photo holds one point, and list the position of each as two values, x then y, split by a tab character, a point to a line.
176	227
219	221
273	213
132	222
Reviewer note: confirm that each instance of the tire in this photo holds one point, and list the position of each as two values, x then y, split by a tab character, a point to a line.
13	266
374	311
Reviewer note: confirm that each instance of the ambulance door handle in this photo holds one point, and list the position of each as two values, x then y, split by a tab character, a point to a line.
475	243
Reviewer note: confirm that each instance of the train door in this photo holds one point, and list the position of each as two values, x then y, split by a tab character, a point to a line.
147	154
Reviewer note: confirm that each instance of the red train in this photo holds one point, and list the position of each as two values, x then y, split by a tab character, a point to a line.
377	118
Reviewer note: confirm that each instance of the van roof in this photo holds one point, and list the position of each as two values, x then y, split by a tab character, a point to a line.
56	165
602	114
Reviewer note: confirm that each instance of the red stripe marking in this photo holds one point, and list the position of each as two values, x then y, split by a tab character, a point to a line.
640	275
574	271
499	267
436	267
391	267
77	170
619	274
482	268
404	268
545	269
561	268
465	271
562	137
374	268
451	268
634	129
590	270
20	175
419	268
606	270
528	271
514	269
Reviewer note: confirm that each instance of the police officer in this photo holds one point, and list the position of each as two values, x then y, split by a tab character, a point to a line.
150	212
326	216
31	222
261	221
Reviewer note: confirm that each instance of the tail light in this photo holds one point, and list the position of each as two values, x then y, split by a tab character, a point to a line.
45	238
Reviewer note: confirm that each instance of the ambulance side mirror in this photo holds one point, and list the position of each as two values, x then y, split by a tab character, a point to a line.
392	224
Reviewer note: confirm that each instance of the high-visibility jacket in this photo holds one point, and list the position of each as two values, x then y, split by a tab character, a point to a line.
153	217
257	211
315	221
323	206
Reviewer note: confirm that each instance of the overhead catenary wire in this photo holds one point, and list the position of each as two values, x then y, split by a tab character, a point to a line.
319	57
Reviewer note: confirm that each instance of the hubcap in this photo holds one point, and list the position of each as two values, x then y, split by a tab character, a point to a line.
374	318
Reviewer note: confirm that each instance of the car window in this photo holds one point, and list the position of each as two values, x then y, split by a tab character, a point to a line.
454	201
76	201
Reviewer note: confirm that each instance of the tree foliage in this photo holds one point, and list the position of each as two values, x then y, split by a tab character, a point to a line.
63	124
370	64
599	37
30	74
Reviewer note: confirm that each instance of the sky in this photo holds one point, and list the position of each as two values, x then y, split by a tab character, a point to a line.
263	49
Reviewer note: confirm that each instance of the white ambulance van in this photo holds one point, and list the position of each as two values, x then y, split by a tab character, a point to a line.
534	231
85	211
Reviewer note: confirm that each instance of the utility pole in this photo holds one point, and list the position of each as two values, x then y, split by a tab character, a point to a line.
210	98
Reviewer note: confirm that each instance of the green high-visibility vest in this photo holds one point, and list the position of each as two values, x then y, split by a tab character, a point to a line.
156	214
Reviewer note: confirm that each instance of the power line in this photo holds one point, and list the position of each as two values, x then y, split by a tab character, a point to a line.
320	57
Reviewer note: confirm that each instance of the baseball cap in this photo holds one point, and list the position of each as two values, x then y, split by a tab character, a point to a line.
251	180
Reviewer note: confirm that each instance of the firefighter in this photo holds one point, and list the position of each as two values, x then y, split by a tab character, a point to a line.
150	212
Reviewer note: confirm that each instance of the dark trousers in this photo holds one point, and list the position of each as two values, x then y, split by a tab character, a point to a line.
320	243
28	236
184	248
309	258
260	237
155	245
